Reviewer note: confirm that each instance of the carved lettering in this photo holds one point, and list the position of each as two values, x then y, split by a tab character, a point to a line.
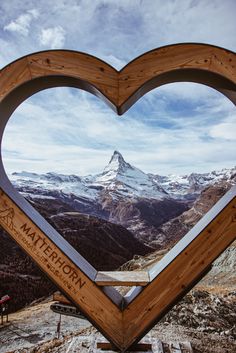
66	269
60	261
48	249
25	229
73	275
42	244
80	283
39	238
53	256
32	235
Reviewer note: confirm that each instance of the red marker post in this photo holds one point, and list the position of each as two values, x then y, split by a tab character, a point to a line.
4	306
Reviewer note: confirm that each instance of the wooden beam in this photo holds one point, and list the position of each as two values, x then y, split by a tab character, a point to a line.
191	62
122	278
124	328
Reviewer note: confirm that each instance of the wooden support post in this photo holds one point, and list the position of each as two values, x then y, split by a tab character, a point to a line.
59	327
122	278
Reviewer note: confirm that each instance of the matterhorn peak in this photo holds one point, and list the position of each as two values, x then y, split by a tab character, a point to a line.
117	164
117	157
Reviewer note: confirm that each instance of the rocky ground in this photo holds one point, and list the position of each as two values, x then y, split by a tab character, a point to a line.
207	320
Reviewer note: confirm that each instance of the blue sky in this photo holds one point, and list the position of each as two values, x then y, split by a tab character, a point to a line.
177	128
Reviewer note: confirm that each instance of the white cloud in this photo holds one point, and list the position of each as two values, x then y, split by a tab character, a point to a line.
52	37
22	23
225	130
200	21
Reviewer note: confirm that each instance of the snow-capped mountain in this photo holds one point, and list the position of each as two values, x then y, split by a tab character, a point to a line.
122	194
120	179
36	185
190	186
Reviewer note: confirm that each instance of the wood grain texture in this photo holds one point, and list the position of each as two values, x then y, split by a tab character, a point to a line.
122	278
199	63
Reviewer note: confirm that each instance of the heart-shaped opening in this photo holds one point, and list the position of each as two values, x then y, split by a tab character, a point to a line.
118	320
74	126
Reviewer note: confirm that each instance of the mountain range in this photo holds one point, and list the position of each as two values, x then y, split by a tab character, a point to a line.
120	179
123	194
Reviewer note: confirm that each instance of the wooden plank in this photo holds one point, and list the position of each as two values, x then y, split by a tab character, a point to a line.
82	66
46	69
155	298
175	63
200	63
122	278
12	75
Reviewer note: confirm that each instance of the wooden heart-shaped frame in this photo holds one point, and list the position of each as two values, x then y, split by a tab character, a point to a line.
123	320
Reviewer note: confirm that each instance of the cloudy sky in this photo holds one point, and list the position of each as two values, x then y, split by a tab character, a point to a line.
177	128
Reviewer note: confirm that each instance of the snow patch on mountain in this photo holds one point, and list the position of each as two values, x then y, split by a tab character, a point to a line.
43	183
